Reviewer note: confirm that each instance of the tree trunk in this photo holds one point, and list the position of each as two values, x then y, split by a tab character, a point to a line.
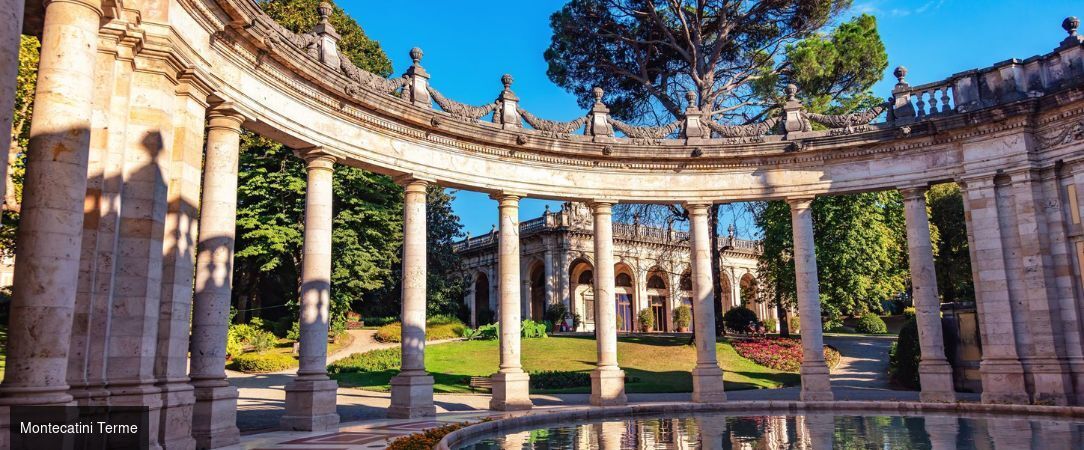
781	315
716	256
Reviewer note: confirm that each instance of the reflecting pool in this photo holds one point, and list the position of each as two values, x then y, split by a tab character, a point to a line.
804	432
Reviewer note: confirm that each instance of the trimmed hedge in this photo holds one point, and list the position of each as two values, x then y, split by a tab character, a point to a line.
370	361
262	362
871	324
436	328
904	356
555	379
738	319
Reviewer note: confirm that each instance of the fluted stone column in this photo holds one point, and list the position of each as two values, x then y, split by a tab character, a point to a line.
607	380
707	376
214	418
412	389
11	28
942	431
934	370
511	385
49	236
814	371
310	398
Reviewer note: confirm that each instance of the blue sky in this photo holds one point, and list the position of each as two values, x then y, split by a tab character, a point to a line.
468	45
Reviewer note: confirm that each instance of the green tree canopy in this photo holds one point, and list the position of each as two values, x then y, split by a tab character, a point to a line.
953	259
734	54
367	210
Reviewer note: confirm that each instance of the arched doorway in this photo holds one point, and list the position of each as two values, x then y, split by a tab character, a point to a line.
658	299
685	292
537	277
482	314
727	299
750	296
623	293
581	278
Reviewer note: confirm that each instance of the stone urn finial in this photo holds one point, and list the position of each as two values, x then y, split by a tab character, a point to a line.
598	92
1070	24
691	98
324	10
730	230
900	73
792	92
416	55
506	80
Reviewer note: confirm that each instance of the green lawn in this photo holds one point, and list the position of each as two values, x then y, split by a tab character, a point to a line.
653	364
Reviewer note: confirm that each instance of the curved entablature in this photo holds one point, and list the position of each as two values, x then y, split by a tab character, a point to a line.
297	88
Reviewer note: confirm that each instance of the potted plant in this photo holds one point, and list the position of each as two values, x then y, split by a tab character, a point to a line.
683	317
556	314
647	320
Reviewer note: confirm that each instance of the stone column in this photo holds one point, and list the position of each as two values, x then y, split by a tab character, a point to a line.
1001	371
214	418
935	373
821	428
1045	363
511	385
814	371
49	235
607	380
311	396
942	431
11	28
412	389
707	376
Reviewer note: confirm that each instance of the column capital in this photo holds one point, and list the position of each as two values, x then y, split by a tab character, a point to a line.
93	5
411	183
601	206
507	198
800	203
697	208
224	116
911	193
316	158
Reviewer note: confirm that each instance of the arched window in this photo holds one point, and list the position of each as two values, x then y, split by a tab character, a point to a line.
587	277
686	282
656	282
623	280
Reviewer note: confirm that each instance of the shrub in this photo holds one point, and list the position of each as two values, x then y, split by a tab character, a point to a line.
795	325
576	321
234	347
370	361
904	356
909	312
683	317
779	353
489	332
557	313
871	324
738	319
436	328
647	319
295	331
251	335
530	329
555	379
263	362
379	321
770	323
426	440
263	341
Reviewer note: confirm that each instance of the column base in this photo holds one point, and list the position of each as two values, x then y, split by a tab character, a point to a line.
708	385
1052	381
935	377
175	432
411	397
310	405
145	395
511	392
214	417
816	386
1003	382
608	387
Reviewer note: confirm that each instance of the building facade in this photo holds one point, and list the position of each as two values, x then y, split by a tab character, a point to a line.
652	271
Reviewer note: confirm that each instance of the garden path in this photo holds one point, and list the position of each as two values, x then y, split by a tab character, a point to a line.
863	362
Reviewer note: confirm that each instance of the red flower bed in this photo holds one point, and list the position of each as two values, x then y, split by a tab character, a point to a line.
778	353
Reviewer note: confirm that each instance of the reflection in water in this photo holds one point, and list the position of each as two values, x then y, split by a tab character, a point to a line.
812	432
